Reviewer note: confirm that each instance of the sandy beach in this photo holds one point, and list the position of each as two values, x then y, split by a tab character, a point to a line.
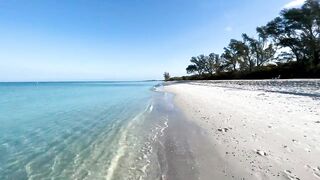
254	131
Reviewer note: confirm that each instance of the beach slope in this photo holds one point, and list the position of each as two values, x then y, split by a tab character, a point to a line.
259	131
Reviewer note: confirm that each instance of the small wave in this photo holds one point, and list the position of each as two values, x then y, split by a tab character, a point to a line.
29	170
147	150
55	162
123	144
158	88
150	108
119	154
165	127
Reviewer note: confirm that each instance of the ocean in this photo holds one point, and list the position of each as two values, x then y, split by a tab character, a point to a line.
82	130
108	130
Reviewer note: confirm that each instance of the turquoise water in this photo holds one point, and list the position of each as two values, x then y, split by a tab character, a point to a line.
72	130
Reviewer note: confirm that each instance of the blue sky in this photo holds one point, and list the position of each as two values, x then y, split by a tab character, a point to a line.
42	40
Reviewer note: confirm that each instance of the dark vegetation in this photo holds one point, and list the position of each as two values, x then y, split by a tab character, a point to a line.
166	76
286	47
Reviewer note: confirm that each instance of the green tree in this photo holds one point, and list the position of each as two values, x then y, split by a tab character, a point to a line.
198	65
205	64
247	53
299	30
260	50
166	76
215	63
233	55
191	69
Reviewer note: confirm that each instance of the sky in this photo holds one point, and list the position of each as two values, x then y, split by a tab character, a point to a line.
80	40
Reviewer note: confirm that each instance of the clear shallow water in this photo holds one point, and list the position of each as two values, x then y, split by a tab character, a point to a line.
77	130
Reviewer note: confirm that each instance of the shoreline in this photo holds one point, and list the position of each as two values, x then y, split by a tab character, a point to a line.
255	133
179	150
184	147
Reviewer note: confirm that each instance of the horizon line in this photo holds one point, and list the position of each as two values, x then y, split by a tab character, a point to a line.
79	81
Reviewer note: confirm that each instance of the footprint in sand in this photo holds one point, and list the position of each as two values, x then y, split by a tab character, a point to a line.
288	174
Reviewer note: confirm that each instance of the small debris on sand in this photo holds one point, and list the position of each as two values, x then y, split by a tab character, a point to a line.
261	153
263	133
224	129
290	175
316	172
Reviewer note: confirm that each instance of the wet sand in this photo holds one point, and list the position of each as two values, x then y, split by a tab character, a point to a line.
243	133
185	151
186	148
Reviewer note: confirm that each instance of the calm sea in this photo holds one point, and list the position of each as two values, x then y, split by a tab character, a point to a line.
79	130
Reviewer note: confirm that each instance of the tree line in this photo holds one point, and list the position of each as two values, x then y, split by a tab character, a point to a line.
286	47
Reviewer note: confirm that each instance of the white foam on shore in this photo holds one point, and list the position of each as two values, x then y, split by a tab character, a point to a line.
148	149
150	108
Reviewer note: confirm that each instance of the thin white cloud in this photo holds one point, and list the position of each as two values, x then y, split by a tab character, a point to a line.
294	3
228	29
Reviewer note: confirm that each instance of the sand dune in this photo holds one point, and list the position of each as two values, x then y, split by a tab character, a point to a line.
259	134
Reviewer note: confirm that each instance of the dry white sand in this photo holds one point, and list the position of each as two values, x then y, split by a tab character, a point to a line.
258	134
